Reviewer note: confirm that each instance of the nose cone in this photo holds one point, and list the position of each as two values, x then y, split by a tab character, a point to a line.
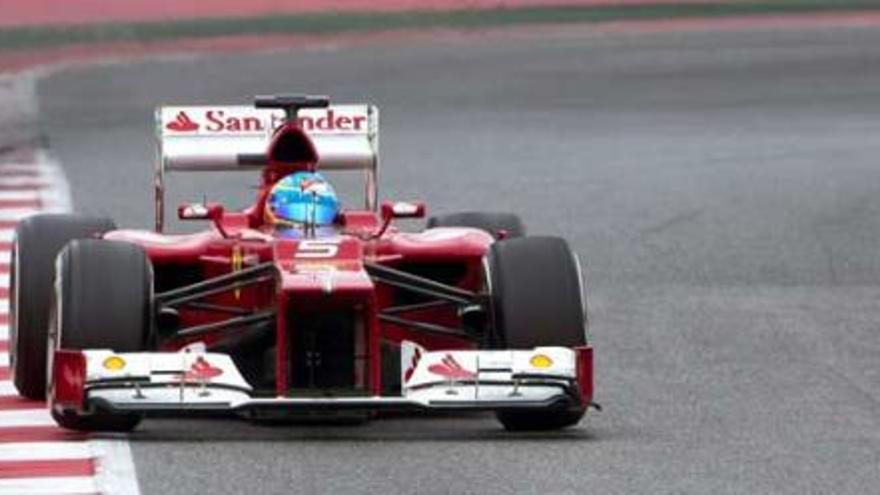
317	267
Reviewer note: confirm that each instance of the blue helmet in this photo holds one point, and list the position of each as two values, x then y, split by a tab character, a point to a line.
303	198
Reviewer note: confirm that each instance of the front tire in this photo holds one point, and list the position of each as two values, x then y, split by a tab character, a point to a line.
103	301
537	300
38	239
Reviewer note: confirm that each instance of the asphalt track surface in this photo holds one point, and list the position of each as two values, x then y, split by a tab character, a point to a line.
723	189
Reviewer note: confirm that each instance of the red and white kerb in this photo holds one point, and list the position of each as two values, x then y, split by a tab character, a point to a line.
37	456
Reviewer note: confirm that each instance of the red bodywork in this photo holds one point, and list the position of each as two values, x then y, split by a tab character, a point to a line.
319	275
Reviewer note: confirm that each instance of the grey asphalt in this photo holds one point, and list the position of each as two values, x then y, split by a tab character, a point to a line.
722	188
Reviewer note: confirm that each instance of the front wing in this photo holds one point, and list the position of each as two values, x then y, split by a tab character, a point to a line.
192	382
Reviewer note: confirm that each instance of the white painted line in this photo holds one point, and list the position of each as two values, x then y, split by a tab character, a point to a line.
11	169
4	303
4	332
61	485
16	214
7	388
115	467
26	417
17	195
4	358
23	182
6	235
4	280
33	451
5	257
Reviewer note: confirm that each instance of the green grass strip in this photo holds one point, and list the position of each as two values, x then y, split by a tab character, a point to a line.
359	22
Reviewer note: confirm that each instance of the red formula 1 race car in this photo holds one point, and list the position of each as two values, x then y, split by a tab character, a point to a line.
295	307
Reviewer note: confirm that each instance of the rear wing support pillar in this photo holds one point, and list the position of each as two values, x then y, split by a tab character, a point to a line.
159	185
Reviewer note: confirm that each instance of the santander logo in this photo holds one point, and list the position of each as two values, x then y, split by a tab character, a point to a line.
450	369
182	123
201	369
417	355
247	121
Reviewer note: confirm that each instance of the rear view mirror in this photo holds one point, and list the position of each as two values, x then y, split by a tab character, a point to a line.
402	209
200	211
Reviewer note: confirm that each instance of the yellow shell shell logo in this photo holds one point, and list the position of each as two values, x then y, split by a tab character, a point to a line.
541	361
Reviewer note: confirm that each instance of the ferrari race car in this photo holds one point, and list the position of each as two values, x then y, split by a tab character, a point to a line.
295	307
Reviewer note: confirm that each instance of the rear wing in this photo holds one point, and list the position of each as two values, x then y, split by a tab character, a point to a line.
231	138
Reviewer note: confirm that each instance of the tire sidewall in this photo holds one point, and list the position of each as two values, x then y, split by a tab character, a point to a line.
536	293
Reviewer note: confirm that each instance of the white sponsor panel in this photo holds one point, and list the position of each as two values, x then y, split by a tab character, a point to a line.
251	121
462	379
493	376
167	368
229	137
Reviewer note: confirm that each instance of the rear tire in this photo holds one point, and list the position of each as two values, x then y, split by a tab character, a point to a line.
38	239
104	294
537	300
491	222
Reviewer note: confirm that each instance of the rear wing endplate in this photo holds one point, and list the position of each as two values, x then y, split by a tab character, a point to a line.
231	138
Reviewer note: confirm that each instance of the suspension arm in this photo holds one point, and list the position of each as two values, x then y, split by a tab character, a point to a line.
420	285
238	321
249	276
424	326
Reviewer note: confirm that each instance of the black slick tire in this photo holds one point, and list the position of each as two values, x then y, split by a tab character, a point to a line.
537	300
38	239
103	301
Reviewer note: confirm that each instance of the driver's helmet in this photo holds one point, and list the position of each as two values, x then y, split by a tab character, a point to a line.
302	198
